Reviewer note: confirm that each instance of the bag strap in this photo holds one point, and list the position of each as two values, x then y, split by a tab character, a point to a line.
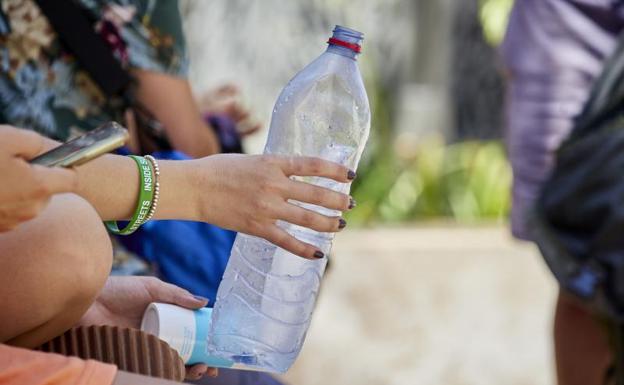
606	99
76	32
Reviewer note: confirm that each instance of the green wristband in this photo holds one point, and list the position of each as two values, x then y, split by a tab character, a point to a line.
144	203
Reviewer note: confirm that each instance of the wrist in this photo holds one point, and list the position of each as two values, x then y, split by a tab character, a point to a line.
111	184
147	197
179	194
193	177
201	181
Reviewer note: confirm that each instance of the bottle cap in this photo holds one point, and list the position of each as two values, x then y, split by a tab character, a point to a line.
352	46
347	38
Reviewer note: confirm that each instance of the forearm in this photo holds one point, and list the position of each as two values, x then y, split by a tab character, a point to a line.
111	184
171	101
244	193
196	140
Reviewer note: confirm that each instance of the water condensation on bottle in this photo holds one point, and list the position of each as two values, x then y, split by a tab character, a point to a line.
267	295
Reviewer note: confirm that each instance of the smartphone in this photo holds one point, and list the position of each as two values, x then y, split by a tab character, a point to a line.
89	146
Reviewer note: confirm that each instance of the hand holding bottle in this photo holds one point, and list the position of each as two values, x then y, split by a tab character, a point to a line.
251	193
266	298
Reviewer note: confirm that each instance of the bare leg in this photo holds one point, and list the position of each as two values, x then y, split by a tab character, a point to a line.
581	345
51	269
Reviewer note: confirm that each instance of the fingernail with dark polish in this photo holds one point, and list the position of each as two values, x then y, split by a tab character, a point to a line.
352	203
318	254
351	175
200	298
342	223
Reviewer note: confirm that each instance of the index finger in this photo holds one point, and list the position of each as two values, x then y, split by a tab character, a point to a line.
20	142
309	166
168	293
56	180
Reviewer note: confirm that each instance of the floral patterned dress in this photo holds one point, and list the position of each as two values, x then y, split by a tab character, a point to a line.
43	88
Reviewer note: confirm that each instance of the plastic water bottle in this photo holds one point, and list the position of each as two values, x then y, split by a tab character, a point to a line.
267	295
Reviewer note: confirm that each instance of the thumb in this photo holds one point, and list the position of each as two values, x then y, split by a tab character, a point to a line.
56	180
20	142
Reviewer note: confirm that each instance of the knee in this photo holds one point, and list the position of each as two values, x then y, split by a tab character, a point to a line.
82	246
60	262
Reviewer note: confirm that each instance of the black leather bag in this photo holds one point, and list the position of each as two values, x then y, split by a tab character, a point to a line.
578	222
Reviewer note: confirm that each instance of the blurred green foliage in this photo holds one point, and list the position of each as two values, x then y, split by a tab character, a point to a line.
466	181
494	15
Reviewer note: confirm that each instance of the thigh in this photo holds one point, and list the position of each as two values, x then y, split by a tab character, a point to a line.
47	264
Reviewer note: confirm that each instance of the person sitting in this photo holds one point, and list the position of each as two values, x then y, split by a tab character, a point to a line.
46	87
55	254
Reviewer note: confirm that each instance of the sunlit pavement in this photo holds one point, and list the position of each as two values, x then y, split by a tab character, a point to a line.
432	305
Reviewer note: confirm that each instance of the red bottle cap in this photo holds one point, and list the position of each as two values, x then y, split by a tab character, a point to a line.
352	46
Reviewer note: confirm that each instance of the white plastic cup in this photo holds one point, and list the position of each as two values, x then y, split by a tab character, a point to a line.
186	331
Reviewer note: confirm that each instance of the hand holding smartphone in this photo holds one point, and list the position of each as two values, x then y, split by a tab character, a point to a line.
89	146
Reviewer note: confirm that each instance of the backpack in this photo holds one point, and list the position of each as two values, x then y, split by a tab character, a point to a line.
578	219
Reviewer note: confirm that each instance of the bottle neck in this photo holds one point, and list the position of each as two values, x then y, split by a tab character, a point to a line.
342	51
